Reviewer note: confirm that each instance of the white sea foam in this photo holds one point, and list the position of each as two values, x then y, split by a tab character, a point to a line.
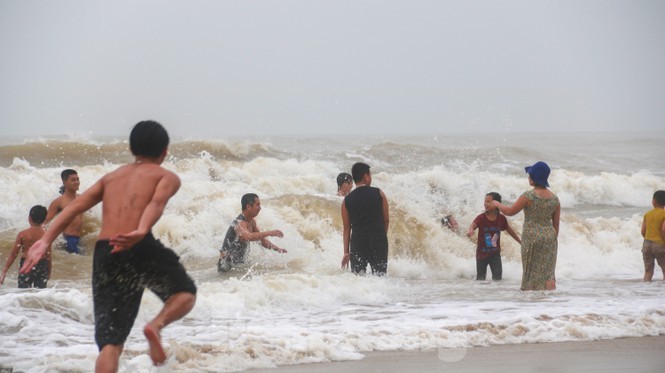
301	307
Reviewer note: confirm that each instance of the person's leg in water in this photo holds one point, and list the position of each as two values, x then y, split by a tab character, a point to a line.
108	358
649	261
177	306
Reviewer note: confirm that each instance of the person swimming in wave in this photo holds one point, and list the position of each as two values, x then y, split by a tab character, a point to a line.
344	184
242	231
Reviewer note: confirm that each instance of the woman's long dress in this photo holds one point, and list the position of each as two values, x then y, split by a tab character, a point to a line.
539	242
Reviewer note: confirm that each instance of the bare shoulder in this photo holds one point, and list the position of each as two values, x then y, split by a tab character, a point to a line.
57	202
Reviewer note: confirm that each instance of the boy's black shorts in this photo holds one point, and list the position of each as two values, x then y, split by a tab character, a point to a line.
118	281
36	278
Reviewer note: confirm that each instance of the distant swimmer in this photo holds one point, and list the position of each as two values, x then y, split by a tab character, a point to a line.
449	222
41	272
344	184
69	191
127	257
242	231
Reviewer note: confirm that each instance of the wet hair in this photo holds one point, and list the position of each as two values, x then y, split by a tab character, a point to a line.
359	170
65	174
38	214
495	196
248	199
659	197
343	178
149	139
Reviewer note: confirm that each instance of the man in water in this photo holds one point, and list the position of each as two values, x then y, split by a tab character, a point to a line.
127	257
365	217
69	191
242	230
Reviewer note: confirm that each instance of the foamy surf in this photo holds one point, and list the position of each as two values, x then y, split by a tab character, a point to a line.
301	307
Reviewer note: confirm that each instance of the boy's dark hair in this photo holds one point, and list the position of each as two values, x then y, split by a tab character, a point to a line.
38	214
343	178
149	139
659	197
359	170
495	196
65	174
248	199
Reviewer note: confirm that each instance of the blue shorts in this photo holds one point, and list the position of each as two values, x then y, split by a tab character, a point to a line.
72	244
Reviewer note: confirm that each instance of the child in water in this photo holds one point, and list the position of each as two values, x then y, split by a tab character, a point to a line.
653	231
488	251
42	270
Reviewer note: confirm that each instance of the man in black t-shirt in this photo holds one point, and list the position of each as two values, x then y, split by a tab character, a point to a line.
365	217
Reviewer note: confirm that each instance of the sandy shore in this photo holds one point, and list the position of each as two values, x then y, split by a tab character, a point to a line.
642	355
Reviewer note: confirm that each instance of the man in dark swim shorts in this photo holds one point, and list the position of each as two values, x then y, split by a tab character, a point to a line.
119	279
127	257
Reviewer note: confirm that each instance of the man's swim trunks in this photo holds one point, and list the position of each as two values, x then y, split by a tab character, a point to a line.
36	278
118	281
72	244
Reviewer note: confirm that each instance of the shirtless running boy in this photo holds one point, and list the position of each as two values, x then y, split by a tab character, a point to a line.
127	257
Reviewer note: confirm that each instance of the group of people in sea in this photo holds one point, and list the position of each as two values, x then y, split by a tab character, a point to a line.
128	259
38	217
366	217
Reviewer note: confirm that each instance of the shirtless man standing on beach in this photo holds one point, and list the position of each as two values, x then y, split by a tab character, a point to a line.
69	191
127	257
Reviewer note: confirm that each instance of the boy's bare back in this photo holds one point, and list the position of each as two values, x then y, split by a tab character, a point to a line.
29	236
134	191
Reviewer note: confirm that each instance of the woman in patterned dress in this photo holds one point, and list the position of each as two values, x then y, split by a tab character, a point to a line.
541	229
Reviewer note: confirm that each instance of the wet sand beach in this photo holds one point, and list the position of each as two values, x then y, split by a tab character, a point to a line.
645	355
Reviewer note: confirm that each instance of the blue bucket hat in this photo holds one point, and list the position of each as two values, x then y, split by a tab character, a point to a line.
539	173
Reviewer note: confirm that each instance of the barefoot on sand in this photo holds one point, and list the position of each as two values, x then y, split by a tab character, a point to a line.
157	353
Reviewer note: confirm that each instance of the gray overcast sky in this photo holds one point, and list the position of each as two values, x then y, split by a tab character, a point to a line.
216	68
